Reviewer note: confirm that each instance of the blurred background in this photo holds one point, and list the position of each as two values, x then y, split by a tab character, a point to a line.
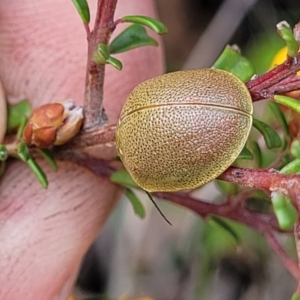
195	259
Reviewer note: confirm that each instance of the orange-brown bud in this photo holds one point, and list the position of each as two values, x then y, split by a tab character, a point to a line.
53	124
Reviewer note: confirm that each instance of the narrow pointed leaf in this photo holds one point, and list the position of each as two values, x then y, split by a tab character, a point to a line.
25	156
291	168
122	177
257	153
49	157
38	172
132	37
83	10
23	151
285	31
101	55
136	203
16	114
23	122
279	116
245	154
115	63
286	217
220	223
295	148
284	210
232	61
227	188
3	153
289	102
152	23
271	137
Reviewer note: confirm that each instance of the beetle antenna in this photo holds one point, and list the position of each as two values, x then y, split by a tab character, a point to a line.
156	206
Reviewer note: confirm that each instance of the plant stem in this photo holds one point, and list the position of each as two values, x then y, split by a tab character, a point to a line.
93	98
263	223
290	264
267	180
233	211
260	85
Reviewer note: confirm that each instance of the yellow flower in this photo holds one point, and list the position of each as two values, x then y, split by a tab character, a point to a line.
280	57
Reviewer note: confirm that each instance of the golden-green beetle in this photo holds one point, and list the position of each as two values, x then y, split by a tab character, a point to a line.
181	130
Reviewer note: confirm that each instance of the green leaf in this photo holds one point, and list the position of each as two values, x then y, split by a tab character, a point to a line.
289	102
284	210
101	55
83	10
295	297
286	217
227	188
257	153
3	153
136	203
245	154
220	223
21	127
152	23
232	61
123	177
38	172
295	148
132	37
25	156
271	137
285	31
49	157
16	114
291	168
23	151
279	116
115	63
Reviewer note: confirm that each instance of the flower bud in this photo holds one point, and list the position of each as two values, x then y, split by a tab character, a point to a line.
53	124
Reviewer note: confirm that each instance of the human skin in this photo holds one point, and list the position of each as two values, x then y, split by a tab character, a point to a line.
45	233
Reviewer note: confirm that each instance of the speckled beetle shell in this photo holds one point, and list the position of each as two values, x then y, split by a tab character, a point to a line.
181	130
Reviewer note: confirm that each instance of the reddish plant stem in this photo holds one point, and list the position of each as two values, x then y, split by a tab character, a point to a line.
297	240
87	30
290	264
271	77
258	86
263	223
271	180
117	22
287	85
93	98
103	136
268	180
233	211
